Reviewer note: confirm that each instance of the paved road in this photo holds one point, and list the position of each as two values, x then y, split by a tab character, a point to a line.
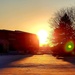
36	65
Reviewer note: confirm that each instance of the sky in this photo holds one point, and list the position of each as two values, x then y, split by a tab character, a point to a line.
29	15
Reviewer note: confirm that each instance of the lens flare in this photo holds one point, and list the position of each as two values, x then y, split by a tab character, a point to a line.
69	46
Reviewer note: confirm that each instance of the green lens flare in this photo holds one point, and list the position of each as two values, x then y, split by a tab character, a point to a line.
69	46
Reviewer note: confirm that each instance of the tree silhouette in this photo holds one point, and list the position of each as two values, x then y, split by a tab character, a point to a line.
63	24
66	12
63	29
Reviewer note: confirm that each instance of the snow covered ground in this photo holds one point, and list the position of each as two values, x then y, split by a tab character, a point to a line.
36	65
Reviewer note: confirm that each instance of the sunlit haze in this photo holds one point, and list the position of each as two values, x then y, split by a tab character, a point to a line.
29	15
43	36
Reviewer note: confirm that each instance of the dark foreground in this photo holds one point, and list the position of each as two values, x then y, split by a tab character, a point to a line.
36	65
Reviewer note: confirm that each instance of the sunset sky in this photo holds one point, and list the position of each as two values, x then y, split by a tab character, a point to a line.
29	15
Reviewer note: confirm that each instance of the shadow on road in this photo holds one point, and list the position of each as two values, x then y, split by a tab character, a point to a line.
5	60
70	59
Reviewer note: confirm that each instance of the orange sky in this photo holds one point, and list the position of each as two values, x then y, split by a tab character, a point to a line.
29	15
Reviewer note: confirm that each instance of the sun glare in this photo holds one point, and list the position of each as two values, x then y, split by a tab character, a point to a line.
42	35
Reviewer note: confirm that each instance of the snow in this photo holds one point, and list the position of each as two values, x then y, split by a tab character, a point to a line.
36	65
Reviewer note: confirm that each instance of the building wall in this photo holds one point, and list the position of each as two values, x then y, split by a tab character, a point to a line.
19	41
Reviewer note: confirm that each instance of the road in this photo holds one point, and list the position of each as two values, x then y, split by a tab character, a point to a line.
36	65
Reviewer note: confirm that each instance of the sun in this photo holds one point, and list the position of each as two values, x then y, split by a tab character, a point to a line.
42	35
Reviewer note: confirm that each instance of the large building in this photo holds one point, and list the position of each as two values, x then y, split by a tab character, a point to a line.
19	41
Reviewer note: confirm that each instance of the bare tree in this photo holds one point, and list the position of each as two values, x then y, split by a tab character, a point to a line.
64	25
64	31
59	14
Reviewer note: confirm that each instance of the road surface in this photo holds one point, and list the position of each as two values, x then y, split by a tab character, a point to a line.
36	65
